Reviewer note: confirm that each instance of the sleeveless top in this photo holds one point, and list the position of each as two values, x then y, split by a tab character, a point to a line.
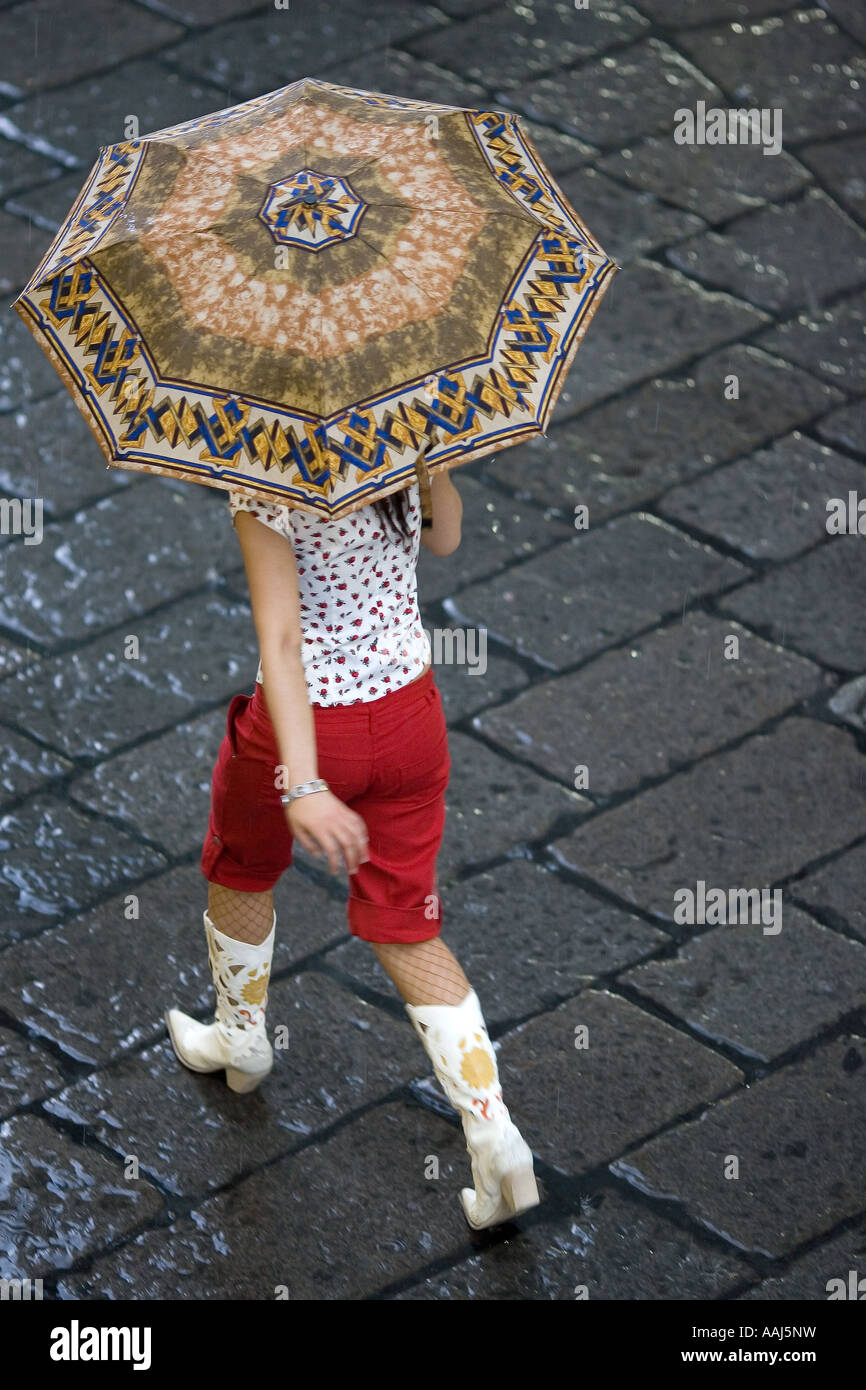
362	632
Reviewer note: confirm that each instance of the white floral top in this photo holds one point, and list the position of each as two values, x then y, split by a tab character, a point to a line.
358	599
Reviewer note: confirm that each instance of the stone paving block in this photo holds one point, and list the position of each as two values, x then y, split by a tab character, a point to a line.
26	765
515	43
846	427
49	203
810	1276
49	453
57	860
526	939
37	51
800	62
268	50
161	789
745	819
496	531
92	701
756	991
207	12
342	1054
848	702
144	87
22	245
646	709
652	320
815	604
771	505
60	1200
493	804
687	12
830	343
401	75
110	563
761	259
621	98
630	449
460	8
27	1071
98	985
850	15
798	1136
578	1107
341	1220
714	181
835	891
839	165
25	371
12	658
557	1260
20	168
627	223
595	589
466	689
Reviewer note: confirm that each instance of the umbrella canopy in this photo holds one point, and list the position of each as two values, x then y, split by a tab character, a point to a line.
314	295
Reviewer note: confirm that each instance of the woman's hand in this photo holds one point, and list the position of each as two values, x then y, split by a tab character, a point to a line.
326	825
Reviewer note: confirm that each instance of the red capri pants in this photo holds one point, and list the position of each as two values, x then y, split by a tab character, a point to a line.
388	759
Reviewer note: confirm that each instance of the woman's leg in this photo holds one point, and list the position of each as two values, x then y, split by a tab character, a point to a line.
246	917
447	1017
424	972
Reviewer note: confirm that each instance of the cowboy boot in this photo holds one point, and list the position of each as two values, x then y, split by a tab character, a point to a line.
456	1041
237	1039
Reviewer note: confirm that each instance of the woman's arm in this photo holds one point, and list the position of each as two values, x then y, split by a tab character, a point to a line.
320	820
443	537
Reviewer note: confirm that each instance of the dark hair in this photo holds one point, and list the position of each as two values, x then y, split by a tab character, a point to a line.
393	512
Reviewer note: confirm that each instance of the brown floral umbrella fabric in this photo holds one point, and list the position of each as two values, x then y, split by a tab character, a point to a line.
311	296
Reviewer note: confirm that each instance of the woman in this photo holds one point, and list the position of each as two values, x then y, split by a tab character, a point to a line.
344	747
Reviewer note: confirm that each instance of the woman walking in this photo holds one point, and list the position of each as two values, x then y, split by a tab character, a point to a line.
344	746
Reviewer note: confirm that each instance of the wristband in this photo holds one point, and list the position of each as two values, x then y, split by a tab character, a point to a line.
317	784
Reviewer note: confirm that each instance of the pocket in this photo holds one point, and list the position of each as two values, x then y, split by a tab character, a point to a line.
238	706
426	763
248	816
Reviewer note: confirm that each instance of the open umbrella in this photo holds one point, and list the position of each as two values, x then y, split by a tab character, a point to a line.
317	295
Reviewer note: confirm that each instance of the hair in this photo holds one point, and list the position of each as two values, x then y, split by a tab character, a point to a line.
393	512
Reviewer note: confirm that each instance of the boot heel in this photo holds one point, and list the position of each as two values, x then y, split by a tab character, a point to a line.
244	1081
520	1190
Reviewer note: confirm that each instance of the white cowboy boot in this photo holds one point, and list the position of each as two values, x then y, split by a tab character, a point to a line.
237	1039
456	1041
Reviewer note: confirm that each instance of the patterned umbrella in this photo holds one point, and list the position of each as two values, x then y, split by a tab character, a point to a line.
317	295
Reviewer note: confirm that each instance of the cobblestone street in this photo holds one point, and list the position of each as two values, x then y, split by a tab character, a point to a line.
125	1176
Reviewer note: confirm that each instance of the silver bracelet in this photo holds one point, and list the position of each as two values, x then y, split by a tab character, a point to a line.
303	789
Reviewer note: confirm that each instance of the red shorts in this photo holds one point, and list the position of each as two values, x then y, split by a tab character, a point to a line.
388	759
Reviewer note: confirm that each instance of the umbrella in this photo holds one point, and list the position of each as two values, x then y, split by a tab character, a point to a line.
318	295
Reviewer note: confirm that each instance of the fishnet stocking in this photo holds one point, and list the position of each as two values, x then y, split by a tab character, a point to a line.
243	916
425	972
